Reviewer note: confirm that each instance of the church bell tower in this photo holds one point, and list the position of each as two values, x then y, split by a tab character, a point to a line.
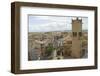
76	38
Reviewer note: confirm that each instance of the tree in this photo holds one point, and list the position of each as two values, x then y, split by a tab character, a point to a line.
49	49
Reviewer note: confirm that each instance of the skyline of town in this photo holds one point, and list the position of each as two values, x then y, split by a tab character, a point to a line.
54	38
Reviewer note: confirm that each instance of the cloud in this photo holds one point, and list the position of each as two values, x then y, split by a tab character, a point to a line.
48	27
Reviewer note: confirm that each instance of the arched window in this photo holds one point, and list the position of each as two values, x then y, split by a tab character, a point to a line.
80	34
74	34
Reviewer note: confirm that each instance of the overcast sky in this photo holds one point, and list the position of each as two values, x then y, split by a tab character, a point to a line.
53	23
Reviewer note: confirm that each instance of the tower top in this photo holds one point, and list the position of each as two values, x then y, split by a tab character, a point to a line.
77	19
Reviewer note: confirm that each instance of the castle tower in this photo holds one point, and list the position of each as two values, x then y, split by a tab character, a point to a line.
76	41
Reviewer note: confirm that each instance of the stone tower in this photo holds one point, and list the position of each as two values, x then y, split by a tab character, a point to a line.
76	41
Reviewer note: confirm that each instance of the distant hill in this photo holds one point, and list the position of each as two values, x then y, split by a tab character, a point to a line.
60	31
